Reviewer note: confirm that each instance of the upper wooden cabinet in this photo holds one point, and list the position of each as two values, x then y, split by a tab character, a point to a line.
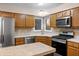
20	20
75	18
59	14
6	14
24	21
53	20
66	13
30	21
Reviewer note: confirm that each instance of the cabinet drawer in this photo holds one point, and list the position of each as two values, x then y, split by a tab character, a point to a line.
19	41
73	44
44	39
76	45
70	44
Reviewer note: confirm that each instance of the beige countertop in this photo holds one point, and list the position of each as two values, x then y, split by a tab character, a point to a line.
33	49
74	40
22	34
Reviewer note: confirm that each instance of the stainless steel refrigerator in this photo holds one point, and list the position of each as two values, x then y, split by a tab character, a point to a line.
6	31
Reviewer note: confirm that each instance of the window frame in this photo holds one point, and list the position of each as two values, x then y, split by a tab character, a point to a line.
41	25
45	24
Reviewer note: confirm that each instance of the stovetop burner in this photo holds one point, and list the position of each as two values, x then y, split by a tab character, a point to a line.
62	37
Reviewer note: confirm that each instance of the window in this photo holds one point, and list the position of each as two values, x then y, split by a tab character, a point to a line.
37	24
47	27
47	24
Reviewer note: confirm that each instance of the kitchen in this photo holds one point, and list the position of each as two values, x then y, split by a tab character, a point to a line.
58	29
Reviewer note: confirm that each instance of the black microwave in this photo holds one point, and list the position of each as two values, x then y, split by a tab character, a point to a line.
64	22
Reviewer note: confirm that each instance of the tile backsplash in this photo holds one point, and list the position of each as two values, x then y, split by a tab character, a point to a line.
31	31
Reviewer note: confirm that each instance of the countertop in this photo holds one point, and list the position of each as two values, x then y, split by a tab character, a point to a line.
74	40
28	35
33	49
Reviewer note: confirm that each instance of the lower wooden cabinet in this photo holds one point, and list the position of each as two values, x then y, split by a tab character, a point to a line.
19	41
44	39
73	49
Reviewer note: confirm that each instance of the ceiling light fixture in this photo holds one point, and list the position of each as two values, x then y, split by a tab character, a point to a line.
42	13
40	4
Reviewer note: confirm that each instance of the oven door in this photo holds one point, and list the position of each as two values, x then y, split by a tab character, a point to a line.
60	48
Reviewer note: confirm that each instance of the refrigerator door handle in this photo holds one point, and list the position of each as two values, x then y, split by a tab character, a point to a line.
2	40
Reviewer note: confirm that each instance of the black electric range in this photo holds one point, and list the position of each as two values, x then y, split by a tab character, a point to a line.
60	43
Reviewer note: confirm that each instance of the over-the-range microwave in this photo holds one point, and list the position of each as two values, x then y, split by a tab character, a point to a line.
64	22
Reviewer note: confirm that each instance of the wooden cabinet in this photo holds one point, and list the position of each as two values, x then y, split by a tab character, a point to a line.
72	48
75	18
24	21
19	20
30	21
6	14
59	14
66	13
19	41
44	39
53	20
73	51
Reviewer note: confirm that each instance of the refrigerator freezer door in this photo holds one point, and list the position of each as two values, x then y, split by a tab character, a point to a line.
0	45
1	31
7	31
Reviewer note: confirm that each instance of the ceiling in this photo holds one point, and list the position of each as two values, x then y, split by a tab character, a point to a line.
29	8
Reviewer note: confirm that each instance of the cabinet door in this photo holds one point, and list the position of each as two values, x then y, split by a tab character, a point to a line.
19	41
53	20
72	51
20	21
30	21
6	14
67	13
75	18
59	14
45	40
